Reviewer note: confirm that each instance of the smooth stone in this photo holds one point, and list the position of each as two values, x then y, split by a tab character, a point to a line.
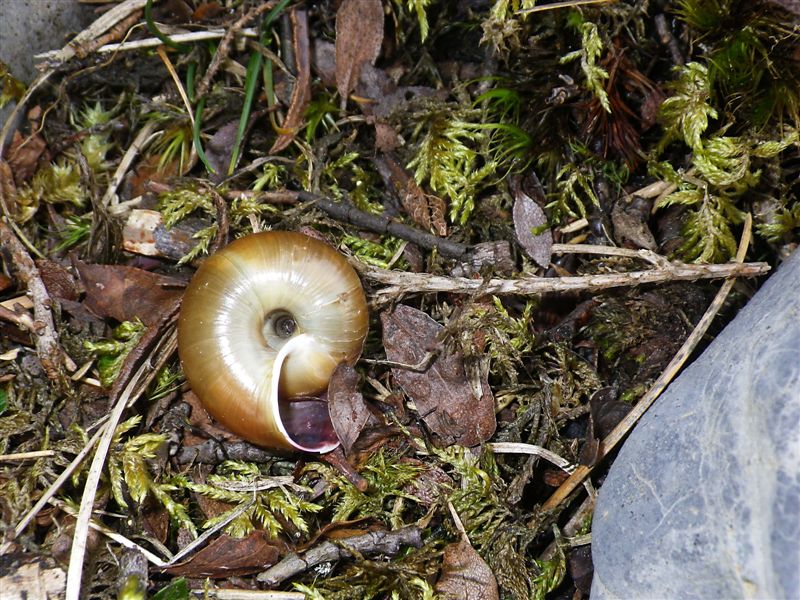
28	28
703	500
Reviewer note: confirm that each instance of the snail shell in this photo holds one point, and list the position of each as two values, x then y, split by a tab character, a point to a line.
263	324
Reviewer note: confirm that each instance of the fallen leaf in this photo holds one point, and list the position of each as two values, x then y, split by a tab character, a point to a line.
359	36
124	293
24	153
58	280
530	224
348	411
227	556
465	575
426	210
219	148
443	395
8	188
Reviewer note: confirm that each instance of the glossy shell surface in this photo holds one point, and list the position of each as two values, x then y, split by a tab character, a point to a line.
263	324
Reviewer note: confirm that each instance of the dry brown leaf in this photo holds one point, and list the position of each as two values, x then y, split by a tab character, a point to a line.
359	35
25	154
465	575
426	210
8	188
529	218
227	556
442	394
348	411
58	280
124	293
219	148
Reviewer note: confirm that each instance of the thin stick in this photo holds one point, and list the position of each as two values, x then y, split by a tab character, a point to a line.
98	27
374	542
45	335
224	46
26	455
622	429
153	42
400	283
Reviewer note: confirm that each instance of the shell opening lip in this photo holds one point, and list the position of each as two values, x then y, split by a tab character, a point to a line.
305	423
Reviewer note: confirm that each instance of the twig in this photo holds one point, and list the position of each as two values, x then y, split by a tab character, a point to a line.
26	455
401	283
153	42
22	319
374	542
347	213
622	429
667	39
224	46
45	336
98	27
457	520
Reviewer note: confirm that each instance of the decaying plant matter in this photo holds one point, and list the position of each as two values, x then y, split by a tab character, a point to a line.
538	198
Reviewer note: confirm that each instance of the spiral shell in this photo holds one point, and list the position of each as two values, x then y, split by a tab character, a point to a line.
263	324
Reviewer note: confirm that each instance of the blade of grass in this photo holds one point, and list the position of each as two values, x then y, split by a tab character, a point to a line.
250	85
198	144
153	28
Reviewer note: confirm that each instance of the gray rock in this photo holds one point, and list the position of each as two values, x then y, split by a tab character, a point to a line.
703	500
27	28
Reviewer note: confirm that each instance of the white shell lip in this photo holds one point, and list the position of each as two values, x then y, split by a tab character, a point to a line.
307	417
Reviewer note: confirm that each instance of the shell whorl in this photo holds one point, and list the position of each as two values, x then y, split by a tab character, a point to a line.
245	304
